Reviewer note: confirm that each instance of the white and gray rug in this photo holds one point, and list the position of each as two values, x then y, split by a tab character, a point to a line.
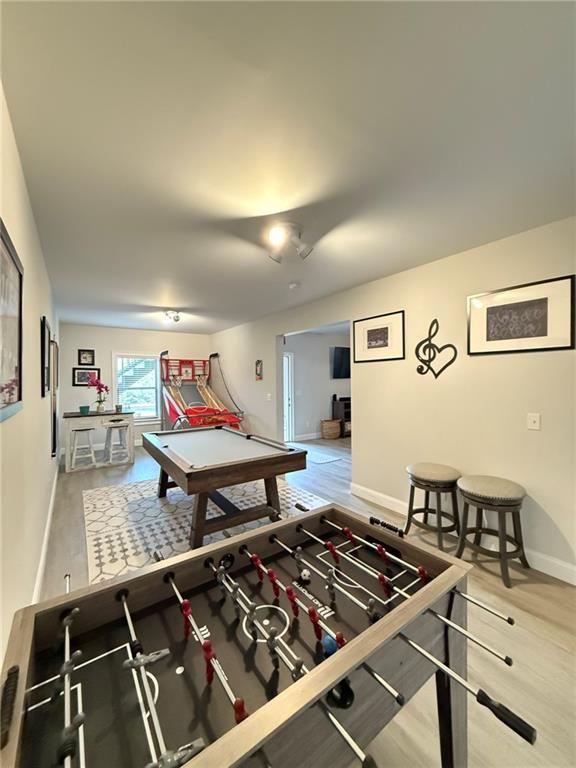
125	524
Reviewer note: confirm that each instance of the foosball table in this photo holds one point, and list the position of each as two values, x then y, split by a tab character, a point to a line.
290	646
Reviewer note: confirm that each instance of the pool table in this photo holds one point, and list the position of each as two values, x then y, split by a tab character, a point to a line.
204	459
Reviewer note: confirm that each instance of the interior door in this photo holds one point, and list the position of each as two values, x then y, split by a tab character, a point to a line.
288	370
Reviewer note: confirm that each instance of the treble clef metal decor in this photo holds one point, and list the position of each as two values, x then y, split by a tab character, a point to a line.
434	359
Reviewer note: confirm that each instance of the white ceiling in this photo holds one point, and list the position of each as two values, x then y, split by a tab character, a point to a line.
158	138
334	329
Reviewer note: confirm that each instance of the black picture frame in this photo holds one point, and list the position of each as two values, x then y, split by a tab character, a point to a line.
11	270
85	355
76	382
45	367
55	359
357	325
571	332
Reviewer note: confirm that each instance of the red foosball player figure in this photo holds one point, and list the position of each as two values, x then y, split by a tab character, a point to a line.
340	640
385	584
423	573
349	535
240	710
383	554
274	581
256	562
332	549
186	612
315	619
209	655
291	595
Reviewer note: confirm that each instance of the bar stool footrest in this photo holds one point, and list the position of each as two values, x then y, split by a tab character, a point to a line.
427	526
495	553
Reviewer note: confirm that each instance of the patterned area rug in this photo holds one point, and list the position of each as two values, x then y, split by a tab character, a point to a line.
126	524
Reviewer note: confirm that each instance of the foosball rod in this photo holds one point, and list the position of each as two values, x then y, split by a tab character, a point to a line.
379	679
68	746
365	759
505	715
373	573
169	578
145	682
414	569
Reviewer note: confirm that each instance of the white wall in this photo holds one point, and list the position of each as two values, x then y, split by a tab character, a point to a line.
474	415
313	382
105	341
28	472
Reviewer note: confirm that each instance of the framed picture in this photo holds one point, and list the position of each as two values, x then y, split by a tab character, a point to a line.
81	376
11	284
379	338
86	357
44	356
55	364
259	370
534	317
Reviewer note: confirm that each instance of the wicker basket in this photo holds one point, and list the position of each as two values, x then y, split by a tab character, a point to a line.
330	428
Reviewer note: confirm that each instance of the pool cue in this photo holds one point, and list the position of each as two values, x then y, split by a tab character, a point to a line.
386	685
373	572
414	569
365	759
505	715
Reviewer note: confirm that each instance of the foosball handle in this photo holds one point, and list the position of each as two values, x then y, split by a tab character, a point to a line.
7	703
509	718
394	528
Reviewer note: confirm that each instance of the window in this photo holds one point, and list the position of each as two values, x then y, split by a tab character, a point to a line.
137	385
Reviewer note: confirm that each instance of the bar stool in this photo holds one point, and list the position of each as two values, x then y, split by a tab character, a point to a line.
504	497
111	449
82	451
436	479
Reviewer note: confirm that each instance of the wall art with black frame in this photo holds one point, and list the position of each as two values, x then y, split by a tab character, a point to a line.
11	292
81	376
45	367
533	317
379	338
86	357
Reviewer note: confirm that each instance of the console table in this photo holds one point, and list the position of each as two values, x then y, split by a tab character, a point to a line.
74	420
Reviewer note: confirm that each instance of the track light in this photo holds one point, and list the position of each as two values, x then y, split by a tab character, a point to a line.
283	236
173	315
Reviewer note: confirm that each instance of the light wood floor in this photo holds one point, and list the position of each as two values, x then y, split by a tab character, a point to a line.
541	686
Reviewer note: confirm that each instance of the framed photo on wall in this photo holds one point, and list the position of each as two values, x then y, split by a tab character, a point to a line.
44	356
379	338
81	376
11	289
86	357
534	317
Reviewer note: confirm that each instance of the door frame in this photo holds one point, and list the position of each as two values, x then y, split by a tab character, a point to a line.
288	421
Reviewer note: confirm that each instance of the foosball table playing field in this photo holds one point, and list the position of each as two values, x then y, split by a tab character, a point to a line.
290	646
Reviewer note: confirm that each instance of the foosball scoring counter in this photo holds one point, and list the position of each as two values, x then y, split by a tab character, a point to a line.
290	646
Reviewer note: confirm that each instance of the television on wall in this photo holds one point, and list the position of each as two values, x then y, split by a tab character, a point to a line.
341	363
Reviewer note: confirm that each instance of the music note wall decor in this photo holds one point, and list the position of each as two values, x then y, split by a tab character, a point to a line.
434	359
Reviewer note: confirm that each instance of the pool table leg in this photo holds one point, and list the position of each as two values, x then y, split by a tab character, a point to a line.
272	498
163	484
198	520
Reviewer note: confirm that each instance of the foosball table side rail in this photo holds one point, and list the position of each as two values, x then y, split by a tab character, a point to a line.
38	627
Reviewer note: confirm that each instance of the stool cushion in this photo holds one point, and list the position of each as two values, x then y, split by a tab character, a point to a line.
433	473
491	489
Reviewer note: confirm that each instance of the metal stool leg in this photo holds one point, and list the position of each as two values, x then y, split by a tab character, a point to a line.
463	526
519	538
454	497
503	548
439	520
478	532
410	508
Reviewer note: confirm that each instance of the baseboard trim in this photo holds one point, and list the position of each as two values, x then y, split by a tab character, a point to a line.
310	436
382	499
552	566
44	551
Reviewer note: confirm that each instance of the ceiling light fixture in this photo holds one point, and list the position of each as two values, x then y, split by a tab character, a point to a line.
173	315
284	236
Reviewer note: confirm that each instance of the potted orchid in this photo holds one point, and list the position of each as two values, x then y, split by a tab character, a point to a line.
101	391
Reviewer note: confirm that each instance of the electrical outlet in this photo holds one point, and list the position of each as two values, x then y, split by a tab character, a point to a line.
533	421
269	397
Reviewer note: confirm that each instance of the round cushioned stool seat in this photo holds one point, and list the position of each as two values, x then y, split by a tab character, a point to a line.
494	490
433	473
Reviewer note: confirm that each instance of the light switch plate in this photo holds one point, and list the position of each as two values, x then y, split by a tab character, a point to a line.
533	421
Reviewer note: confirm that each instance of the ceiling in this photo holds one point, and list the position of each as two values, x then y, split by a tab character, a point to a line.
158	139
333	329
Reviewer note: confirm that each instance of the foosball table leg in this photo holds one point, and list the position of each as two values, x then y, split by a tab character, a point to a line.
451	698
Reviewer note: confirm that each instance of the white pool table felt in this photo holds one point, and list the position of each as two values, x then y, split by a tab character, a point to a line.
215	446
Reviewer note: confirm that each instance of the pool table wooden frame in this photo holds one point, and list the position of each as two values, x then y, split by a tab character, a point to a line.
204	482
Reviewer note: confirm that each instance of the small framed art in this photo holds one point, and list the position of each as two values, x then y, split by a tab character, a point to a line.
534	317
379	338
81	376
86	357
45	367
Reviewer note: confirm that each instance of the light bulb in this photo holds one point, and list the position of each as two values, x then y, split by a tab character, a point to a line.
277	236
